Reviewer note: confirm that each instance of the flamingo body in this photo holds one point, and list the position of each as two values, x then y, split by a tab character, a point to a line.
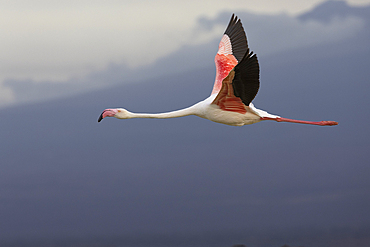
236	85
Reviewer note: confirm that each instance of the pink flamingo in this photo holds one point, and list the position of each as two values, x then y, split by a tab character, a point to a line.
236	85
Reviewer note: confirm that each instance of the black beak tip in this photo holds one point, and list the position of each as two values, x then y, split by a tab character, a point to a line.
100	118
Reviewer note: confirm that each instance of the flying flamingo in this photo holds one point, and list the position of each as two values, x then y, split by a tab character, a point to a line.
236	85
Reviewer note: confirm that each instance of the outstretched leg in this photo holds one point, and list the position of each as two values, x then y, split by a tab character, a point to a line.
321	123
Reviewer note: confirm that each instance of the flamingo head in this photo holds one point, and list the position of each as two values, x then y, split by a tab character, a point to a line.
117	113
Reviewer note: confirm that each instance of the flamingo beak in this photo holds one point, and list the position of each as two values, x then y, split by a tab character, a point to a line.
107	113
100	117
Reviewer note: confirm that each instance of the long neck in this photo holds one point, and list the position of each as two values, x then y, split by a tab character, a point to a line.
173	114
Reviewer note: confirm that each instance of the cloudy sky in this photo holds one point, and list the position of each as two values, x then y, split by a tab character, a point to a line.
65	42
63	174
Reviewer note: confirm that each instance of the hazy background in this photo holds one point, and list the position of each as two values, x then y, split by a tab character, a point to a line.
68	181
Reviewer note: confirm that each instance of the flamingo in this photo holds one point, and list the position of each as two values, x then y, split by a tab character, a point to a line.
236	85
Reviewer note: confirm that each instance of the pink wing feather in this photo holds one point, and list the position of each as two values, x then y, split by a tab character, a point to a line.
231	50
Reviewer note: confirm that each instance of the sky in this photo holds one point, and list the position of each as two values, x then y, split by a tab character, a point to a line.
63	174
65	42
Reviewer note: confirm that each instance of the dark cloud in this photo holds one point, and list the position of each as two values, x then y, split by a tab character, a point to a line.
267	34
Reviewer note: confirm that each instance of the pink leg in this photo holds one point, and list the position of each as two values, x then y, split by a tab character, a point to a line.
321	123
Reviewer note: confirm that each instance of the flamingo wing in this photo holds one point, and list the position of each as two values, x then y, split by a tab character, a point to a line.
241	85
231	50
236	37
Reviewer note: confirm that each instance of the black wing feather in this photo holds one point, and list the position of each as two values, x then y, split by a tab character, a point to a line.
246	81
237	36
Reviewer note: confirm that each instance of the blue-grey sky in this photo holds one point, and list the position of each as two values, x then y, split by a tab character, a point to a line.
52	42
63	175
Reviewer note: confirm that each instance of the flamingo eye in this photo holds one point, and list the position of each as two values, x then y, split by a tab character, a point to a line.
119	110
